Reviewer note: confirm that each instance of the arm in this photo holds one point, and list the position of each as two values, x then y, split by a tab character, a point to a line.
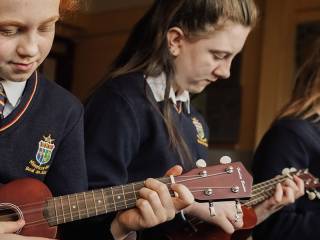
284	147
112	142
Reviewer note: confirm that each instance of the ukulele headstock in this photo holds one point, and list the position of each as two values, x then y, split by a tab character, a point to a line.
218	182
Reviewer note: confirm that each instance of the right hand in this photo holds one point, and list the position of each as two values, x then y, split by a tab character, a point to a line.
225	217
7	230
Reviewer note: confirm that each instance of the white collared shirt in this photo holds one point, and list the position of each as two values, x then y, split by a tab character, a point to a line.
14	91
158	88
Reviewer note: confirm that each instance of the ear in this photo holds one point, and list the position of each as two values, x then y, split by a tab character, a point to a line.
175	36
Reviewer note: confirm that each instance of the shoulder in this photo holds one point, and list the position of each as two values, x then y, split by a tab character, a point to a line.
53	96
299	127
127	89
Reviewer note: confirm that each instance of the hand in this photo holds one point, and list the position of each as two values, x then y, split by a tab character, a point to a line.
284	194
154	207
8	228
228	216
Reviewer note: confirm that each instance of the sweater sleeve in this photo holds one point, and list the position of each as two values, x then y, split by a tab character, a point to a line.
112	140
283	147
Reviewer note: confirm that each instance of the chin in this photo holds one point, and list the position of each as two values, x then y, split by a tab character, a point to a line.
197	89
20	77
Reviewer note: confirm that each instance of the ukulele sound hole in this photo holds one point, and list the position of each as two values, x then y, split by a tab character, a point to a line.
8	214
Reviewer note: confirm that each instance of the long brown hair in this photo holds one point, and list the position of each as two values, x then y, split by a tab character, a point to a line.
147	49
305	99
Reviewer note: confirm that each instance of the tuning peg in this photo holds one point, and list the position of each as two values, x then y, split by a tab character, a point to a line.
293	169
225	160
317	194
285	171
311	195
200	163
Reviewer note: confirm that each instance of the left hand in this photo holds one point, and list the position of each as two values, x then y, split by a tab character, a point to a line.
285	193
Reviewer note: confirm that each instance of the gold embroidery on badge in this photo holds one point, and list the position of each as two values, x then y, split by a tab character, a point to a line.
201	138
43	157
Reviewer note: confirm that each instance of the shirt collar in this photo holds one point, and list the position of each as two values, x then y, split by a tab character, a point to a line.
13	91
158	87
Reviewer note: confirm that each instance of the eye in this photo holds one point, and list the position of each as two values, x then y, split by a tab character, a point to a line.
8	31
219	56
47	28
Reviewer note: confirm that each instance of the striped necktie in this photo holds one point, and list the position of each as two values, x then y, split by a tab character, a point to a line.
3	99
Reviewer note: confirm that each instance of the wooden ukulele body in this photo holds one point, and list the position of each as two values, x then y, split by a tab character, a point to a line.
26	199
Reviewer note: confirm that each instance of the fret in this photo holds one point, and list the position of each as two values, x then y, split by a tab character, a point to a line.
94	201
104	200
56	210
85	202
73	207
77	206
63	214
99	202
68	197
59	210
50	212
124	197
131	197
134	191
114	201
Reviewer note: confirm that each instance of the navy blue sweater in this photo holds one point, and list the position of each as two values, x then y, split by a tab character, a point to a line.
43	139
48	119
289	143
126	139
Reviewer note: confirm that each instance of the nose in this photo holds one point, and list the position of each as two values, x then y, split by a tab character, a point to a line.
223	69
28	46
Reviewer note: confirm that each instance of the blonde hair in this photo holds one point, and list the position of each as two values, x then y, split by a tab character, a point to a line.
305	99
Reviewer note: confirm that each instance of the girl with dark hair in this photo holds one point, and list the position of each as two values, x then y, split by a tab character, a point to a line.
41	124
294	141
140	123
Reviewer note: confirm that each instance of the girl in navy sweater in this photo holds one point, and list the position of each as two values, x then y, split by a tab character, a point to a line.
140	123
41	124
294	141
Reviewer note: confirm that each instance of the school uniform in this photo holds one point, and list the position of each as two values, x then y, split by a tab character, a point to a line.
127	140
41	136
290	142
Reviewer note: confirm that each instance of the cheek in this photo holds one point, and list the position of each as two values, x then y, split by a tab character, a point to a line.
45	45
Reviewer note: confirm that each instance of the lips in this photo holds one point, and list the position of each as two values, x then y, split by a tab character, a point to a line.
23	67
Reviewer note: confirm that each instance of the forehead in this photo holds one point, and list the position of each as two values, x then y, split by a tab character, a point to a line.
28	11
230	37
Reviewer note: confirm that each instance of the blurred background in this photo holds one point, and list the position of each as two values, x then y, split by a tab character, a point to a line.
238	110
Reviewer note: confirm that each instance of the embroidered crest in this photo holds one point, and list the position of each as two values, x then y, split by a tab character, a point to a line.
201	138
45	149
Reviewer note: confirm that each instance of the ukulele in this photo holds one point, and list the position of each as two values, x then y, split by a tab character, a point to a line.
31	200
200	230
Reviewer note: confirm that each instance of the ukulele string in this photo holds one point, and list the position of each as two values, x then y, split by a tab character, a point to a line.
191	178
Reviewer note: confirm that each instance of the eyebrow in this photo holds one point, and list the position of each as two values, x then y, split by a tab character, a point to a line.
21	24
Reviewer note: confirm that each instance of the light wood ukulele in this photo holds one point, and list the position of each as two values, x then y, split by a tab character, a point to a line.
31	200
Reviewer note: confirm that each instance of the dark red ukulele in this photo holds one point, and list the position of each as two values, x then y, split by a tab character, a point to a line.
200	230
31	200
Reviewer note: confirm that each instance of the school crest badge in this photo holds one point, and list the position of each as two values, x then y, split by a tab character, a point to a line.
201	138
45	148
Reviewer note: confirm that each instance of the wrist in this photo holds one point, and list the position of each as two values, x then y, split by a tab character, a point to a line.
118	231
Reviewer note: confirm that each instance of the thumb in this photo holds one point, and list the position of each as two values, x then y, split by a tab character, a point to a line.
175	171
11	227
